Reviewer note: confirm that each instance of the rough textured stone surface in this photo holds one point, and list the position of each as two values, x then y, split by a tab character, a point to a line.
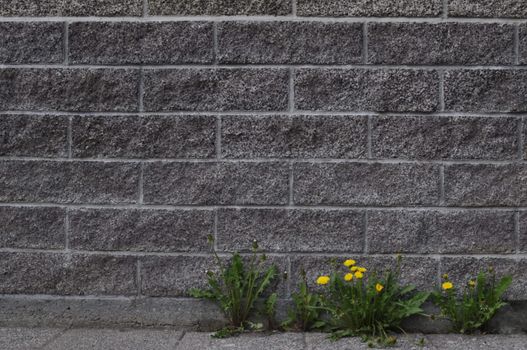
523	232
524	137
42	273
280	341
461	269
294	136
173	276
26	338
104	339
140	230
444	44
485	185
321	341
318	127
290	43
176	276
437	232
216	183
98	275
68	182
487	8
44	8
220	7
33	135
431	137
419	271
522	45
377	90
144	137
216	89
486	90
146	43
31	42
35	273
365	8
79	90
39	228
280	230
350	183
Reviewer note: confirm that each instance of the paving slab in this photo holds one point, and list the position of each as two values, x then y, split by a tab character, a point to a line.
26	338
151	339
109	339
252	341
481	342
320	341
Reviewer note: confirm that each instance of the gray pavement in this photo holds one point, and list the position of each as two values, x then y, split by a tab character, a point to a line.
149	339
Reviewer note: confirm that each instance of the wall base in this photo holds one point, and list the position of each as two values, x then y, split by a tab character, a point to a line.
185	314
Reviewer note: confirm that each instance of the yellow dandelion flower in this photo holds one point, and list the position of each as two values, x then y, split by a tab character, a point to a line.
447	285
362	269
359	275
354	268
445	276
323	280
349	262
348	277
472	283
379	287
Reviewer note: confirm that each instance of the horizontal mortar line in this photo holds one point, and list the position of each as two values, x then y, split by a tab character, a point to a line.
70	297
260	207
272	113
269	253
108	206
288	18
93	297
263	66
271	160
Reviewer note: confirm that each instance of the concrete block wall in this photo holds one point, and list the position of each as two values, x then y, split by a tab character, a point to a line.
130	130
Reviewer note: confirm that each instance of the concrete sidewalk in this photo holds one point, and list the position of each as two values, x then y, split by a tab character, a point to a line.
146	339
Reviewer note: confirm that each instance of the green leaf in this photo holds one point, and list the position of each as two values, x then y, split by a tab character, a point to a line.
503	284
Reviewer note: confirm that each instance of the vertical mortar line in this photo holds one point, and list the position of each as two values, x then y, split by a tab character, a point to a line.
516	44
366	239
521	139
445	9
215	42
369	138
441	90
66	43
145	8
291	103
141	183
293	8
365	43
442	184
141	89
517	229
69	132
217	143
138	277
